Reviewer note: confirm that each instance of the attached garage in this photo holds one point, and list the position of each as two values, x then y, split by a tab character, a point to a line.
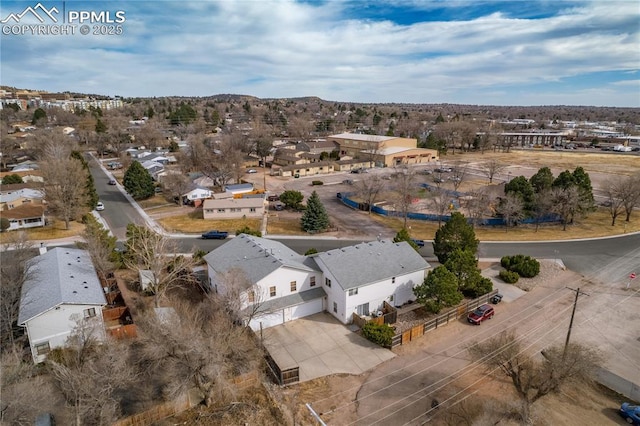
267	320
306	309
289	308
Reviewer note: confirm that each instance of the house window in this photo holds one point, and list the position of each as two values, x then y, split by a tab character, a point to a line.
327	282
42	348
252	209
293	286
393	280
363	310
353	291
335	307
89	313
312	281
272	291
252	296
220	210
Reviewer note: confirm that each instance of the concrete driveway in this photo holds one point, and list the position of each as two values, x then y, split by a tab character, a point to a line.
320	345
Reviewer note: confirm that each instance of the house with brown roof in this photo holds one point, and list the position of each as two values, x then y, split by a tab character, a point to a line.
25	216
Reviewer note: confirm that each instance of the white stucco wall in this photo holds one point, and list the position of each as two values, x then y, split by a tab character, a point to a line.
56	325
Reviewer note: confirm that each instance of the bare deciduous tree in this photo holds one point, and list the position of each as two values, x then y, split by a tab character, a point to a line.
93	378
532	378
24	391
477	204
149	250
404	185
492	168
16	268
200	348
65	182
241	299
176	184
565	203
441	202
458	175
511	207
369	188
614	190
631	194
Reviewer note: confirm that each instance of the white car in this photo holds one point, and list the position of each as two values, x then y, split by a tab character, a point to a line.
252	171
99	206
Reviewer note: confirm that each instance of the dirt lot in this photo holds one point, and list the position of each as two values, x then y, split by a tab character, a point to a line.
430	367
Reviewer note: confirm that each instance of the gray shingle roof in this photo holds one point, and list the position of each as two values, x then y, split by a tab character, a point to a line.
290	300
257	257
60	276
371	262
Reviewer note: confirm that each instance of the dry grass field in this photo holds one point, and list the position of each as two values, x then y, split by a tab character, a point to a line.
195	224
51	232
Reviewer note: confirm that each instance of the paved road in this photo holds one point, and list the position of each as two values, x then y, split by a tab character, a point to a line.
586	257
118	212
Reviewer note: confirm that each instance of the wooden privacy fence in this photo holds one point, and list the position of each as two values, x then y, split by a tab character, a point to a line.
183	402
442	319
390	316
157	413
281	377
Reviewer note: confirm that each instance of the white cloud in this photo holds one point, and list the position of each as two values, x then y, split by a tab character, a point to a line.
285	49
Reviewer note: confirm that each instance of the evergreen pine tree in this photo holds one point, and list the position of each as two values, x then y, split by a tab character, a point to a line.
90	186
455	234
138	182
315	217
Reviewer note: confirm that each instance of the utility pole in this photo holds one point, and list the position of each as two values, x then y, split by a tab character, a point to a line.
573	312
315	415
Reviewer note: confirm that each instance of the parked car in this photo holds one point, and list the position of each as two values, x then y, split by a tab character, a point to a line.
251	171
497	298
348	182
426	172
631	413
419	243
274	197
215	235
438	180
112	182
278	206
99	206
480	314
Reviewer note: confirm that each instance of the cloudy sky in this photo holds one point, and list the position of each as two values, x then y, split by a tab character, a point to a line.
415	51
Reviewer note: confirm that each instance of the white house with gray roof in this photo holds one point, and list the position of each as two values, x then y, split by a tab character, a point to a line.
62	290
361	278
352	279
285	284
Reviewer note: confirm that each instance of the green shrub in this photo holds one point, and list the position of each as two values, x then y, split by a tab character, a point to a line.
380	334
509	277
433	306
482	286
525	266
317	182
246	230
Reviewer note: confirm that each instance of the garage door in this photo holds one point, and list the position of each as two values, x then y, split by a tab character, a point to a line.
304	310
267	320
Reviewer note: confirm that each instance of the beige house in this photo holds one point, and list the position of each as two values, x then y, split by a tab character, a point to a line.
233	208
305	169
387	151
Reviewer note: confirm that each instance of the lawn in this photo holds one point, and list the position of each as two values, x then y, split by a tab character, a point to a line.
194	224
155	201
53	231
598	224
284	226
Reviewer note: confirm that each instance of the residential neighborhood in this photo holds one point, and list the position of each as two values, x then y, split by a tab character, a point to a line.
322	254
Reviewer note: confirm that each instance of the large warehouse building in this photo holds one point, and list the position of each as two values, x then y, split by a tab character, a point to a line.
383	150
